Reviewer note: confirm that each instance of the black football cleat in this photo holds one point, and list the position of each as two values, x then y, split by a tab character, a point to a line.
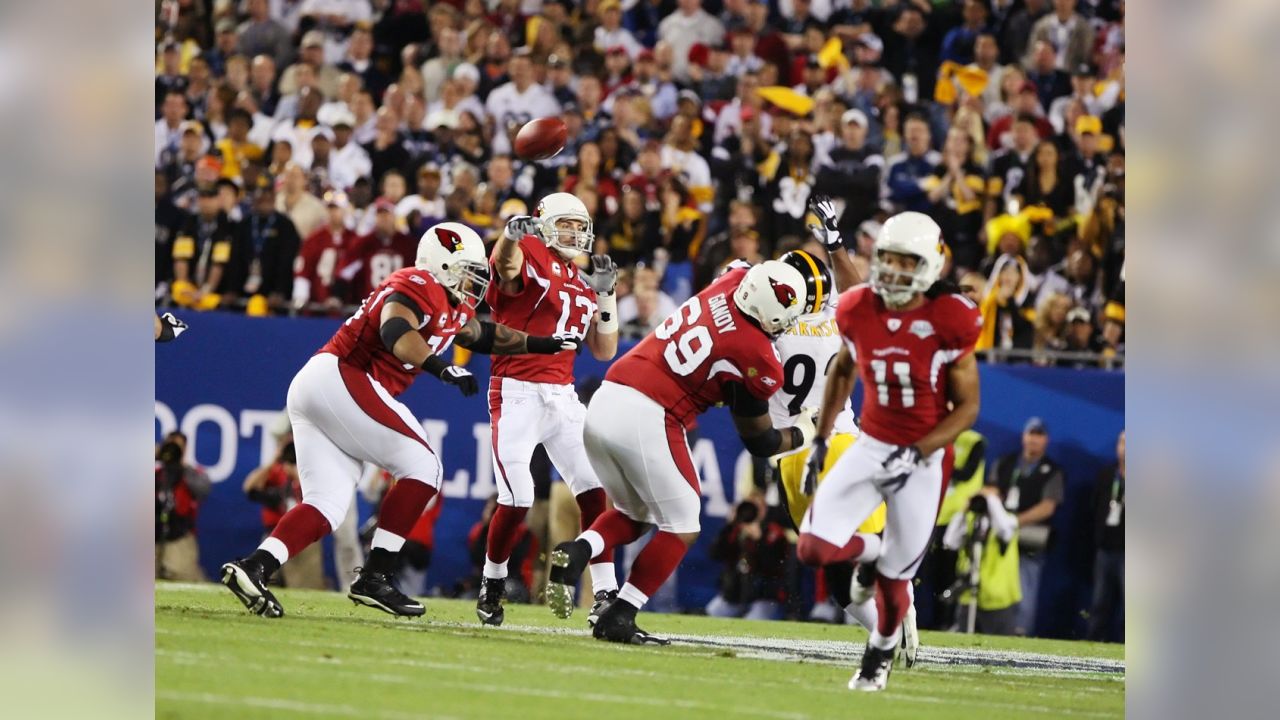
247	581
604	599
568	561
618	624
876	666
489	604
377	590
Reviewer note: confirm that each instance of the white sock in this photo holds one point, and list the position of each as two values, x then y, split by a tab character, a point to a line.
871	550
603	577
632	595
596	542
388	541
276	548
865	614
495	570
884	643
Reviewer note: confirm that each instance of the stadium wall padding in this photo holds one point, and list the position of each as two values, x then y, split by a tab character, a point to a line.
224	382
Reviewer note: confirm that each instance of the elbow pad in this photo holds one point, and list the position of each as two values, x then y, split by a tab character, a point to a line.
392	330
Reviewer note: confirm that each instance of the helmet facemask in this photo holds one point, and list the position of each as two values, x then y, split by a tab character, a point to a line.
568	234
898	285
471	282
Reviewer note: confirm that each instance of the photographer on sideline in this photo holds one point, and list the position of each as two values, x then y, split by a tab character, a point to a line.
276	488
179	489
753	549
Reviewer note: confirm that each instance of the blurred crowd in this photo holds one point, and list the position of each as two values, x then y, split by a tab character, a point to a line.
303	145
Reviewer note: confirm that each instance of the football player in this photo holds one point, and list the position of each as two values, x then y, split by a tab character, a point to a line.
716	348
343	411
912	341
532	401
168	327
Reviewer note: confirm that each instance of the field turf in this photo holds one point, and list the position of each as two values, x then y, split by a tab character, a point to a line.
327	658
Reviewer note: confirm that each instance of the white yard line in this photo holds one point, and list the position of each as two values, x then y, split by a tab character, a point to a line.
308	708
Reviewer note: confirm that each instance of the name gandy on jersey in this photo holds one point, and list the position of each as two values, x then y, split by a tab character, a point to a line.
720	314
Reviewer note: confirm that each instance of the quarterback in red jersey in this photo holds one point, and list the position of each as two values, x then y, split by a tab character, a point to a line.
532	401
716	348
343	411
913	340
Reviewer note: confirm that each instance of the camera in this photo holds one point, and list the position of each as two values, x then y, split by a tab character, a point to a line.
289	454
170	453
746	512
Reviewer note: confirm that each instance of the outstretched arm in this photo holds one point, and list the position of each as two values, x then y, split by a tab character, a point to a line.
828	234
508	258
602	338
489	338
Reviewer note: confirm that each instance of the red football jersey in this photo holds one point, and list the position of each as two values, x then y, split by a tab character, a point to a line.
902	358
317	260
686	361
370	260
553	300
358	341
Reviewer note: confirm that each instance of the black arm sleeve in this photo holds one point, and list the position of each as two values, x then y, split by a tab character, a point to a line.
482	345
405	300
392	330
741	402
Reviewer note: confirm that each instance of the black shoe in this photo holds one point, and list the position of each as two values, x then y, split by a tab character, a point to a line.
863	587
247	581
618	624
568	561
489	604
377	590
876	666
604	599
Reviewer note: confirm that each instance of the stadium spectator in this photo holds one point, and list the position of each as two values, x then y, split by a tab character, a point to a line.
955	191
275	486
179	489
752	550
852	173
236	150
1030	485
1024	107
1106	611
518	101
169	127
907	171
1017	29
170	78
372	258
1082	337
959	43
266	244
1045	185
201	253
1067	33
1051	83
225	45
685	28
1051	322
911	39
1004	323
318	258
295	200
262	84
261	35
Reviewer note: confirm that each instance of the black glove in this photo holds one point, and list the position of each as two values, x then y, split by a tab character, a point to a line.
460	378
603	275
900	464
539	345
170	327
813	468
826	233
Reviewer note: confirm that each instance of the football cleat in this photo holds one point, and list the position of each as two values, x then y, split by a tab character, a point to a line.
618	624
910	637
377	590
489	603
247	581
604	599
568	561
874	675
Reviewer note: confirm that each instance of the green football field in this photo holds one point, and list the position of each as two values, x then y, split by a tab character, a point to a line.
328	658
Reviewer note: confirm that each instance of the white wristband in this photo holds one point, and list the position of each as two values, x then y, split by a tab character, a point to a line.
608	322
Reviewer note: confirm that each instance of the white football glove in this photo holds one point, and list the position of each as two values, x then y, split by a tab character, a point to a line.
603	275
900	464
826	233
519	226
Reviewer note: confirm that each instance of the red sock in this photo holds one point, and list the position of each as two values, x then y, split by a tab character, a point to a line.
591	505
502	532
656	562
403	505
300	527
617	529
813	550
892	602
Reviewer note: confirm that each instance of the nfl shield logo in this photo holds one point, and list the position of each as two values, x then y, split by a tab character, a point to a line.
894	324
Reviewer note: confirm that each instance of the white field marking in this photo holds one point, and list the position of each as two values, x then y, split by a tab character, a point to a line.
894	694
266	703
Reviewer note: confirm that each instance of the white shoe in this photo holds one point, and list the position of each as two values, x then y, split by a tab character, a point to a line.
910	637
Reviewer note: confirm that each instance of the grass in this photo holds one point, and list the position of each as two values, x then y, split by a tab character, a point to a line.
327	658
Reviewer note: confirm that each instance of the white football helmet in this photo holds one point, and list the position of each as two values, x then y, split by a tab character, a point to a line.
563	206
454	255
909	233
774	294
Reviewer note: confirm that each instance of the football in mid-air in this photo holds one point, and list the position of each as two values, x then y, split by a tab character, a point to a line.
541	139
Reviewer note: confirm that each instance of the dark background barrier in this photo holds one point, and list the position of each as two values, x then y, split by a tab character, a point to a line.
224	383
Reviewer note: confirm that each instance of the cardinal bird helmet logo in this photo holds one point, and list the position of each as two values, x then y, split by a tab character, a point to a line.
785	293
451	240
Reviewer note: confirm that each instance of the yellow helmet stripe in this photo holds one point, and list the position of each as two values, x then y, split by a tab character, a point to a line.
817	277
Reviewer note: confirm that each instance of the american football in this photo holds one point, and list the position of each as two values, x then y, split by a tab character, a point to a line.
541	139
